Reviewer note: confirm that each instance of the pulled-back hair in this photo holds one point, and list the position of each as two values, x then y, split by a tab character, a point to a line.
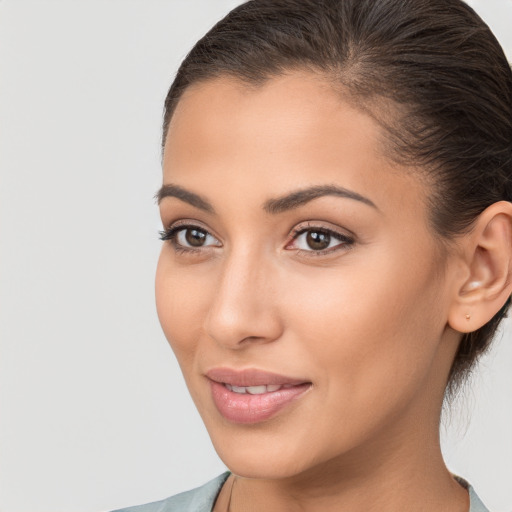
435	62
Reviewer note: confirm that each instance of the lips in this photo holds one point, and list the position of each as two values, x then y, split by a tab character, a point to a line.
250	377
251	396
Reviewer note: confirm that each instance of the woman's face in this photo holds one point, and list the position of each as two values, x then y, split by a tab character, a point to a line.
335	297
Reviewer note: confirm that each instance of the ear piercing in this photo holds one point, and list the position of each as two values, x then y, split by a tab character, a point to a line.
468	317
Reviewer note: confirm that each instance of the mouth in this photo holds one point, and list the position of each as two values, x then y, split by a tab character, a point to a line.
252	396
256	390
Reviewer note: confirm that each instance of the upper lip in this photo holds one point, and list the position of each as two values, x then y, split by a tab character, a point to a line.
250	377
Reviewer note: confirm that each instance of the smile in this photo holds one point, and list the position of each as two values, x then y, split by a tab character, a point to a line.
252	396
255	390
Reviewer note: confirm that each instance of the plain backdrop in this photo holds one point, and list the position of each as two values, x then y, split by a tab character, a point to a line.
94	414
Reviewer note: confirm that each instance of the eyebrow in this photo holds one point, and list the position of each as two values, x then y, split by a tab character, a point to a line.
276	205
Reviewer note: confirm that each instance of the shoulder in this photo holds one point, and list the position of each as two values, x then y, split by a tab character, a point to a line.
200	499
475	503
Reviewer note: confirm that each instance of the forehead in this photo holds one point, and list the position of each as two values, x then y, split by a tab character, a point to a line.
294	114
294	129
299	104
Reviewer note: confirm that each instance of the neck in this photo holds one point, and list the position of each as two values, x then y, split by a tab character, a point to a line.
376	481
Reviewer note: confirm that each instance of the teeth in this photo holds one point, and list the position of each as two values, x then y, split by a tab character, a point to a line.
254	390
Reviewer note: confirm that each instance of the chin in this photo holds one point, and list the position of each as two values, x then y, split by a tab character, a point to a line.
265	468
254	453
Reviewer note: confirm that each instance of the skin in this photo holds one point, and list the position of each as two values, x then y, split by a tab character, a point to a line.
368	324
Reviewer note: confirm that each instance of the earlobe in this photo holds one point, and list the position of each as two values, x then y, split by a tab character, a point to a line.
487	251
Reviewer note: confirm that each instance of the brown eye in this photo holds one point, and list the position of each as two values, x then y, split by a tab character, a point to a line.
194	237
318	240
189	238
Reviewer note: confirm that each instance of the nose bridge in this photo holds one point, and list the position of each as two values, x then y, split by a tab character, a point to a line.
242	307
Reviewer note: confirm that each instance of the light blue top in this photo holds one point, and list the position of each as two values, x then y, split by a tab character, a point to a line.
203	498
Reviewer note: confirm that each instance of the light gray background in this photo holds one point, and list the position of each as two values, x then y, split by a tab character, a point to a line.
93	411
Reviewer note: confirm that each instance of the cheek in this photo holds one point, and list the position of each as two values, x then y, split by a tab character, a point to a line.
180	301
371	328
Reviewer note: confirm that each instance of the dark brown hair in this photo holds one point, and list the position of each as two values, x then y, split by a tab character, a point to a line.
435	61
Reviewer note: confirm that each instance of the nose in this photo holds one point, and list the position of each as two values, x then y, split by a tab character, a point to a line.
244	310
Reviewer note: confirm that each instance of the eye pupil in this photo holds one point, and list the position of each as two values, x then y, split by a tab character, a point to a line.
195	237
318	240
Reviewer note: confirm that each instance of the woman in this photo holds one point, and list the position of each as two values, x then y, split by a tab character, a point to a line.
337	246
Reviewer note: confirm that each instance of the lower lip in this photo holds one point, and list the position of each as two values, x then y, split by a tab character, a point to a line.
246	408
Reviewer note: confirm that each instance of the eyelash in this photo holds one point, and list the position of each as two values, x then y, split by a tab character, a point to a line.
347	241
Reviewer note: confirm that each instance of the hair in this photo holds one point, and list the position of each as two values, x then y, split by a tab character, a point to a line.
435	62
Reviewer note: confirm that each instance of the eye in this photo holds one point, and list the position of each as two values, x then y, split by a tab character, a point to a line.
309	240
318	241
189	238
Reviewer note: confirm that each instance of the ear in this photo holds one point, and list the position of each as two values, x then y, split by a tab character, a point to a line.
487	261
